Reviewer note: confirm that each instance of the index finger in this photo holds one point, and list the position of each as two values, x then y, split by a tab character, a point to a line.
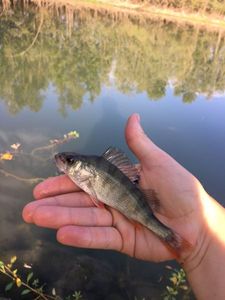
52	186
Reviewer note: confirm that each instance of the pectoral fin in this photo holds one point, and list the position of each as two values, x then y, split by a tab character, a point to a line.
93	195
97	202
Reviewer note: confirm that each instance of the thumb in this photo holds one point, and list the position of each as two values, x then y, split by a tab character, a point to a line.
138	142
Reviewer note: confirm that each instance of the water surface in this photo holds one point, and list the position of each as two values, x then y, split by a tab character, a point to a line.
85	70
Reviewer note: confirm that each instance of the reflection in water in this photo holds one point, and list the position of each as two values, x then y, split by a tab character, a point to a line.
55	60
79	52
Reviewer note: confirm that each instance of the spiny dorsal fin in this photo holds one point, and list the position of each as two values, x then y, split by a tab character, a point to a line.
122	162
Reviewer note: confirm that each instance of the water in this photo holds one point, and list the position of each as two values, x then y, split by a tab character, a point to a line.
85	70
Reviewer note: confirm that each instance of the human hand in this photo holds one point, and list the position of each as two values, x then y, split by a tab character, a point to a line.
63	206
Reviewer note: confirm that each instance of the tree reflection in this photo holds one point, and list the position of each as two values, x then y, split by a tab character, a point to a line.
38	48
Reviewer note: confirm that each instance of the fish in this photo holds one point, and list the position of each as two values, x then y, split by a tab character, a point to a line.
112	180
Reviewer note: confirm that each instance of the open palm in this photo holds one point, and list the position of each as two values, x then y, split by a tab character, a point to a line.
65	207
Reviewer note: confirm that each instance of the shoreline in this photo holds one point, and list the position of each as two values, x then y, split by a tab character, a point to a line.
182	17
141	12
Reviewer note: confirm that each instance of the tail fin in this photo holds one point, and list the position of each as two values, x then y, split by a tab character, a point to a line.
177	245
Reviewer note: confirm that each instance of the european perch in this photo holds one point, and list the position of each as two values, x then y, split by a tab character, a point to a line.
112	180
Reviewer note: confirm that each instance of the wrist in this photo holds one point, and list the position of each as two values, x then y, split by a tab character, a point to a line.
206	264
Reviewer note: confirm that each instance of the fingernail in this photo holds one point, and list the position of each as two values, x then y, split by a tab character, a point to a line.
27	215
138	118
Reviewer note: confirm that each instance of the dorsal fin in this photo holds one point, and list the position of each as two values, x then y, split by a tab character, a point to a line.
122	162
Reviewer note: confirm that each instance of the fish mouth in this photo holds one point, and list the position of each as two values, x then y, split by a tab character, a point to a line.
60	160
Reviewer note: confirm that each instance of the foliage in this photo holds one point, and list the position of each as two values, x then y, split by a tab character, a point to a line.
178	287
78	54
75	296
29	284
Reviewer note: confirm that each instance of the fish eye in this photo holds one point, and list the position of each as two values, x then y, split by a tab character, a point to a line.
70	160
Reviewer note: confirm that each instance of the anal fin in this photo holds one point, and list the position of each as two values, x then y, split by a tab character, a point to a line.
94	196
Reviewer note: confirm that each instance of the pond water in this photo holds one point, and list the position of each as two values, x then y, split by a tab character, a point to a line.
64	69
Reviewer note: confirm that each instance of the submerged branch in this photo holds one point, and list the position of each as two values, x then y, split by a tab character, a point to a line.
27	180
35	38
5	270
9	156
48	147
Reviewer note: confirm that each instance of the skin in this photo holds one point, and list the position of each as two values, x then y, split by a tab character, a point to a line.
185	207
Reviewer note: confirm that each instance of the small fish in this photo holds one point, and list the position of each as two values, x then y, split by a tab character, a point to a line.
112	180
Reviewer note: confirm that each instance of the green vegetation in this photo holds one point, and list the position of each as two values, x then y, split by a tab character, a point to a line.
75	53
29	285
178	287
